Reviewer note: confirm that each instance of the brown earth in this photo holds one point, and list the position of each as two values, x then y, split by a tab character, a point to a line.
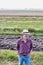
9	42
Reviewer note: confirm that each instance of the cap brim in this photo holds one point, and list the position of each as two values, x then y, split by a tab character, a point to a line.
26	33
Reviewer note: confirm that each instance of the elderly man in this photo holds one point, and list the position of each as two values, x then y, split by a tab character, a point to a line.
24	47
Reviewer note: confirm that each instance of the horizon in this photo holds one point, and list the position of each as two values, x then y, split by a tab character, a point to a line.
24	9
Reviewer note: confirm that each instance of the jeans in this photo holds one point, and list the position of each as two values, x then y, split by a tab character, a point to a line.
23	59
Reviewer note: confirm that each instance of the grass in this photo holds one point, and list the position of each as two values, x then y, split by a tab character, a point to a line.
21	18
8	57
16	25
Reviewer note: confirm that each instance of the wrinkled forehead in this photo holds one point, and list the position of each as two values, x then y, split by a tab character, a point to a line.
25	35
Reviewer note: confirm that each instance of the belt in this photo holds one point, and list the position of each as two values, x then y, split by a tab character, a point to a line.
24	55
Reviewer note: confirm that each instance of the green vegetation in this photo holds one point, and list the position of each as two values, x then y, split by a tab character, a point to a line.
8	57
16	25
21	18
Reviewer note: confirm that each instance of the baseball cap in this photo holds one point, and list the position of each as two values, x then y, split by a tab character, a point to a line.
25	31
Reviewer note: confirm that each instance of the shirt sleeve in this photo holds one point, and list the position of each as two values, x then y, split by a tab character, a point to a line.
17	45
30	45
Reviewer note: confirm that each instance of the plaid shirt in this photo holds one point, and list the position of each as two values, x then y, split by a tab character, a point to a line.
24	48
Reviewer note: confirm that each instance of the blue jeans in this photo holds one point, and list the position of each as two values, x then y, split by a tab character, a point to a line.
25	59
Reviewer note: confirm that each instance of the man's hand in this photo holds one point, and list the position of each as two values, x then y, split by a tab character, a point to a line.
29	53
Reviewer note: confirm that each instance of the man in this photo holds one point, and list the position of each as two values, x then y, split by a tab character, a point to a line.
24	47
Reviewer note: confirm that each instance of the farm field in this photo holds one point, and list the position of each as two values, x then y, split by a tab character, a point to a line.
16	25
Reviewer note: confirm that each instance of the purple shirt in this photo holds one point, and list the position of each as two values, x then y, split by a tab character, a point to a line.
24	48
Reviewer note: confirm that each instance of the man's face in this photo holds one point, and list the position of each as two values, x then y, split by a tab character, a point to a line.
25	36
